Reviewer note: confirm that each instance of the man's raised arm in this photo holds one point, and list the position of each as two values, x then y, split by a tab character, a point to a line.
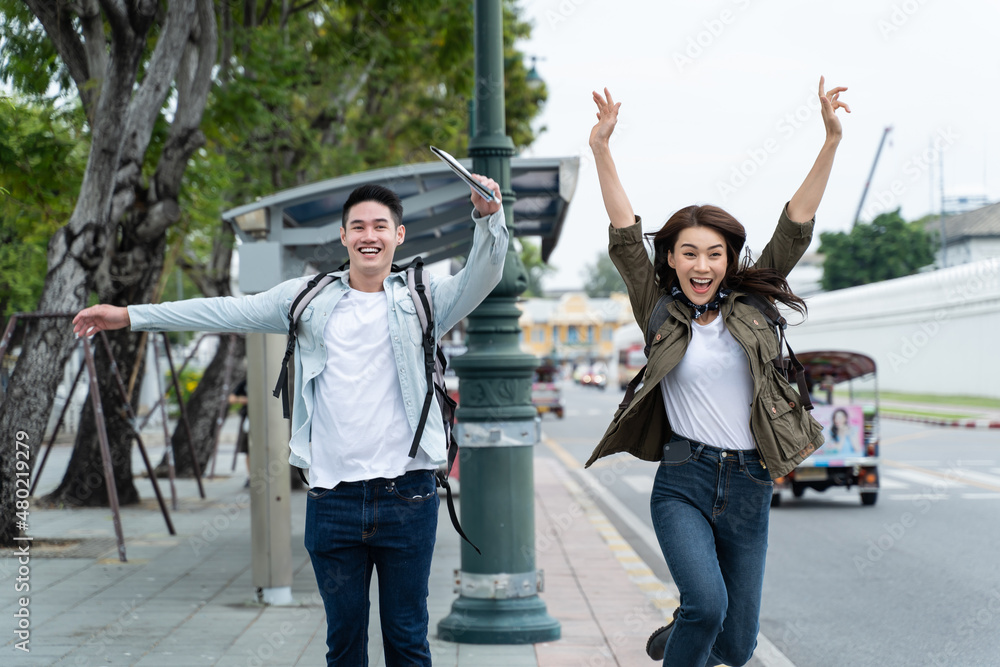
457	296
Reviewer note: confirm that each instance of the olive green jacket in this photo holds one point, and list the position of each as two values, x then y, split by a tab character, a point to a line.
784	432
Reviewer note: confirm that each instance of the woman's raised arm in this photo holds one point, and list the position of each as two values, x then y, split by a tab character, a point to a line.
615	201
805	201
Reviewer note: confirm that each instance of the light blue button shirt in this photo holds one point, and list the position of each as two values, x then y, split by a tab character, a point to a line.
453	297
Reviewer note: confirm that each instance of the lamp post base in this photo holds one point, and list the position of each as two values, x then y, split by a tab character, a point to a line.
513	621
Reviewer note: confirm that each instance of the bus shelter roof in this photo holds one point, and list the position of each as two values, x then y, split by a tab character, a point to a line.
305	220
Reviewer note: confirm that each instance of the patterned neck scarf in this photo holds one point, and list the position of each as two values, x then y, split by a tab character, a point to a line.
714	304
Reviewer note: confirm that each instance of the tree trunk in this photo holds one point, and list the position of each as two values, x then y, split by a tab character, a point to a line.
74	251
79	486
84	485
121	122
132	267
203	409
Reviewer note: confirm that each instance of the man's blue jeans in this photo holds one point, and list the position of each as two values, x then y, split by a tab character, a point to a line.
710	514
386	524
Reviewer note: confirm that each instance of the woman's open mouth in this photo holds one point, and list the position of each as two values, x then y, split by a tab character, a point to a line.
701	285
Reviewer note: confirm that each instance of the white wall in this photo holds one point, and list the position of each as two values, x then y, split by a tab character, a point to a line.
970	250
936	332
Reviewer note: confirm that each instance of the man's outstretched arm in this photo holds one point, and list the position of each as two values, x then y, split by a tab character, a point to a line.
265	313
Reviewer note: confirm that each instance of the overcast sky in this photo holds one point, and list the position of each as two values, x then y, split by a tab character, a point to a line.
719	106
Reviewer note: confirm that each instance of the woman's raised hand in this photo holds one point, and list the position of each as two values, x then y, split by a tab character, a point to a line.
830	102
607	118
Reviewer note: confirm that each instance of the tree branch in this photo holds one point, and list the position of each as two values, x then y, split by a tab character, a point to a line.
212	278
117	15
264	12
59	27
161	215
304	5
95	42
226	56
141	14
148	100
193	85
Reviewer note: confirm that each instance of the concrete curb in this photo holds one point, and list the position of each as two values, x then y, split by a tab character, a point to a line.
957	423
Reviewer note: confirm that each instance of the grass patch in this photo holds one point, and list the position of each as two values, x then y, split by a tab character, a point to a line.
921	413
964	401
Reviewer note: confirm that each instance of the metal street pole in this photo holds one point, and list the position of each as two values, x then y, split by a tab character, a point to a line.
498	427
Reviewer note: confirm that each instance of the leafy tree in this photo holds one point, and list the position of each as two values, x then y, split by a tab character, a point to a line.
887	247
299	91
324	92
534	267
602	278
118	61
41	164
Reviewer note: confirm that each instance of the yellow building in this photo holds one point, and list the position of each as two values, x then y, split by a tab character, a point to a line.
574	326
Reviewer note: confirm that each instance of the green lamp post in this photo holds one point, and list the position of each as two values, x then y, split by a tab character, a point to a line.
498	426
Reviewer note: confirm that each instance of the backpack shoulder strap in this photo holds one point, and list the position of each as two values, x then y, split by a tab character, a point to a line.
792	369
768	309
299	303
420	294
434	365
425	312
656	320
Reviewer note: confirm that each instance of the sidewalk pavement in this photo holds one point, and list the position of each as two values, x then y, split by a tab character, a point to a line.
187	600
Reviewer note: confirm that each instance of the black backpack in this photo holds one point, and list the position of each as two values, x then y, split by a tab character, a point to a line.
434	365
791	368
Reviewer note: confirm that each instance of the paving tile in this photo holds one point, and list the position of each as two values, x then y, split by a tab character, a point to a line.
186	600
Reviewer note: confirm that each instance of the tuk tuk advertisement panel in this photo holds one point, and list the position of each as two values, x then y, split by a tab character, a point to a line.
843	428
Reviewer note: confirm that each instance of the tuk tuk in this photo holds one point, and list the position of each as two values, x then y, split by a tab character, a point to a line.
545	393
850	455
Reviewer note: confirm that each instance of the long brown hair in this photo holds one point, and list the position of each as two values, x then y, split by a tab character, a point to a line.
767	283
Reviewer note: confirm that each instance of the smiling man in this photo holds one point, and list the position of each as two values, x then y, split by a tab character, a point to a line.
360	384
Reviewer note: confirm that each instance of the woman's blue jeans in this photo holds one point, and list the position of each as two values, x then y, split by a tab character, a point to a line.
386	524
710	514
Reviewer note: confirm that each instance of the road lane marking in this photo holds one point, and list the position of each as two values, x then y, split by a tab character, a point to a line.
990	481
911	436
980	495
886	482
913	497
564	456
664	595
923	477
949	477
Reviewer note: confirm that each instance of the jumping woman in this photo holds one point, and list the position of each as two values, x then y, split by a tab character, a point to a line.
713	410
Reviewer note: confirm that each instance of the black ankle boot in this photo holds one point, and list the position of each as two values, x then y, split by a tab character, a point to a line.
657	642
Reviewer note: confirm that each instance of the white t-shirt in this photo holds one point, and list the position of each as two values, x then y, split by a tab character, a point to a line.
708	394
360	430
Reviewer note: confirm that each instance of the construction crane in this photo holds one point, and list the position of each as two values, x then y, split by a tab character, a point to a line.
870	174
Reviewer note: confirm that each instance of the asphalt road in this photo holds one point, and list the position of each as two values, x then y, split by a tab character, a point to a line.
914	580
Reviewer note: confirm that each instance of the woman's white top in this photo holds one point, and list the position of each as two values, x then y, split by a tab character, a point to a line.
708	394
